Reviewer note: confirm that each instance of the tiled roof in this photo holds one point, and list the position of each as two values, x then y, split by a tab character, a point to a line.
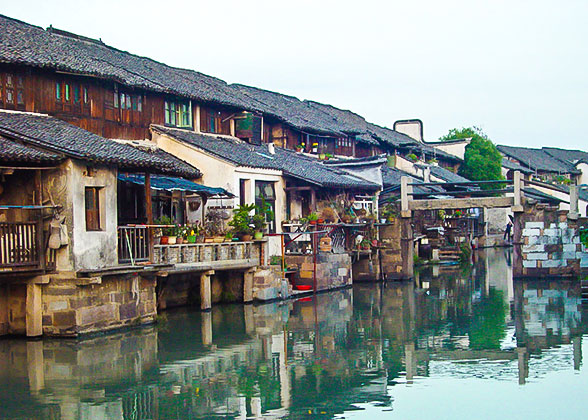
22	43
293	164
515	166
13	152
392	178
57	136
389	137
570	156
537	159
446	175
291	110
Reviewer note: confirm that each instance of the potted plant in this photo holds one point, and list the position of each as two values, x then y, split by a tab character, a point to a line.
314	147
214	226
192	233
322	156
165	231
172	234
312	218
328	156
242	223
300	148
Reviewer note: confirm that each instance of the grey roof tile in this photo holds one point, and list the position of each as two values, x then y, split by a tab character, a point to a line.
289	162
57	136
12	151
537	159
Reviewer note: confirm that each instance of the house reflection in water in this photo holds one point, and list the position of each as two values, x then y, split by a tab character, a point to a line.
322	355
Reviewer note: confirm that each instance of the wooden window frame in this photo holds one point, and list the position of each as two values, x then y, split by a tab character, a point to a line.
177	112
92	209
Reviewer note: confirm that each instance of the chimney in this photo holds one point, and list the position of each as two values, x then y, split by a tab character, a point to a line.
271	148
427	174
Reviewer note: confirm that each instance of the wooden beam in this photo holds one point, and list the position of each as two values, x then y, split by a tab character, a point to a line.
461	203
148	204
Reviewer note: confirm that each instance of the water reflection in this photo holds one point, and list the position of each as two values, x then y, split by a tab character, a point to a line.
316	357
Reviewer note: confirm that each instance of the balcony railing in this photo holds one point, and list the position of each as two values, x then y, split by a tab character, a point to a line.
133	244
23	246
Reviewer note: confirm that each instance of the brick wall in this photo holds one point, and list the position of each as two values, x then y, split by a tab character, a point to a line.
332	270
548	243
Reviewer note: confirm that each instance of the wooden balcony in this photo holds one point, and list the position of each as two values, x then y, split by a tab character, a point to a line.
23	248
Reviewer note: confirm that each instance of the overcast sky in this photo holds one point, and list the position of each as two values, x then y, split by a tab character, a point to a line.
517	69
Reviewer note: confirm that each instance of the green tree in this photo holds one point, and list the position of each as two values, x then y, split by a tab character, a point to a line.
482	160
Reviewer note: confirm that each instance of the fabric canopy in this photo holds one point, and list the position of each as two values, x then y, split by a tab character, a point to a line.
167	183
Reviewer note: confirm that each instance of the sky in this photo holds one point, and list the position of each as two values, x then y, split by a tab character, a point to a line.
517	69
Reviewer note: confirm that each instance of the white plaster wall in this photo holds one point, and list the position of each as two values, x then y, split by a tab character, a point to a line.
583	178
405	165
412	129
93	250
220	173
453	148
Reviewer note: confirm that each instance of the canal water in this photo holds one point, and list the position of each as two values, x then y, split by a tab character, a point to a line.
453	344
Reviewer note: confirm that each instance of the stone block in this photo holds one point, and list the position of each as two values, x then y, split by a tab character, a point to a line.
584	263
537	256
97	314
268	293
64	318
532	240
534	225
58	305
553	263
531	232
568	255
569	248
342	272
534	248
529	264
563	225
127	311
552	232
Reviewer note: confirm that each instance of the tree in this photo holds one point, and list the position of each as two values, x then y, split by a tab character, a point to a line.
482	161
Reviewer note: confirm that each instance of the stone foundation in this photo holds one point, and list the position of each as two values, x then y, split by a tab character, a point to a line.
547	243
332	270
59	306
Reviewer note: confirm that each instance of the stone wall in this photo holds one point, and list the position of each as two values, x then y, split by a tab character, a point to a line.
332	270
547	243
393	263
70	309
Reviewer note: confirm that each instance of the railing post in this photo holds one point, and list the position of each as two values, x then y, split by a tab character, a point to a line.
518	192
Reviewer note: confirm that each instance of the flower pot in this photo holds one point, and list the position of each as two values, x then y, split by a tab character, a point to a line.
315	150
322	156
382	221
164	240
320	221
219	239
312	222
208	240
246	237
172	240
192	239
258	235
180	240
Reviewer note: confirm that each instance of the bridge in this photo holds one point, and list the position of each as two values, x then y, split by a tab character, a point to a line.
546	239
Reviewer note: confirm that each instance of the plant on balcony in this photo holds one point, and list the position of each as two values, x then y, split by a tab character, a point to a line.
312	218
299	148
164	232
214	225
242	222
412	157
314	147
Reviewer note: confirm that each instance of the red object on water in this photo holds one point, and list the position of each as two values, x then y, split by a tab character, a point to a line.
303	287
306	299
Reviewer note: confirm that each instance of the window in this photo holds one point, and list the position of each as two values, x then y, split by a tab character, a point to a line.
58	91
115	99
178	114
12	92
85	95
66	93
93	208
265	194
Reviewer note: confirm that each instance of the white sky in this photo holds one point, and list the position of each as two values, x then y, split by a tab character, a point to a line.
516	68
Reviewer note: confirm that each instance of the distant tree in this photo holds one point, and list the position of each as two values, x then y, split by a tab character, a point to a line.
482	161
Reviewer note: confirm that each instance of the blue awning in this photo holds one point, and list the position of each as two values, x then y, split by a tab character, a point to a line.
167	183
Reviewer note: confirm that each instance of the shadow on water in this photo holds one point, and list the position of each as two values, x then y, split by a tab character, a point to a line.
317	357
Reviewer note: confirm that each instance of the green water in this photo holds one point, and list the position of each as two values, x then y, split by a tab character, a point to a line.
450	345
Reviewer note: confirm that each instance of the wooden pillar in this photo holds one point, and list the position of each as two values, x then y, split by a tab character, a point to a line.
205	290
34	311
407	247
248	285
312	200
206	328
149	214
